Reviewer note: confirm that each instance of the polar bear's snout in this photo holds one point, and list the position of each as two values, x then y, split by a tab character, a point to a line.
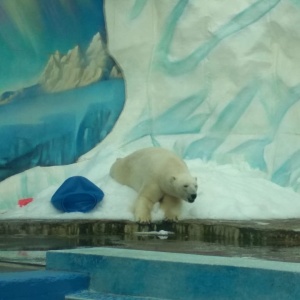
192	198
190	193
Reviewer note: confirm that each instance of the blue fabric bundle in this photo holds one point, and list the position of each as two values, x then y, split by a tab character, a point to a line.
77	194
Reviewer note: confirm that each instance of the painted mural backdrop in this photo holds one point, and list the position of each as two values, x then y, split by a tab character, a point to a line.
225	76
60	91
210	80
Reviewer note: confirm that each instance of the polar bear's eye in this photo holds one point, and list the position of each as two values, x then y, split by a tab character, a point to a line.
186	185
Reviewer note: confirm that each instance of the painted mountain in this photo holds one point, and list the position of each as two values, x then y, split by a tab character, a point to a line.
79	68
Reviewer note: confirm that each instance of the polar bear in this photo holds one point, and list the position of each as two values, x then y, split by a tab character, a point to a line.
158	175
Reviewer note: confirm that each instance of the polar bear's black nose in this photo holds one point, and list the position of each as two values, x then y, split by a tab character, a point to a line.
192	198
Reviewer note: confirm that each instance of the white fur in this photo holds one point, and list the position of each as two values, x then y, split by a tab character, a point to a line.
158	175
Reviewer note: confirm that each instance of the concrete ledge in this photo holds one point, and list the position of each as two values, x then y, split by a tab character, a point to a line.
90	295
40	285
247	233
180	276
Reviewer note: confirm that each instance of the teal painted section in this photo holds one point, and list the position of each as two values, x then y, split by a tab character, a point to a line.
250	15
40	285
137	9
227	119
179	276
296	2
178	119
285	175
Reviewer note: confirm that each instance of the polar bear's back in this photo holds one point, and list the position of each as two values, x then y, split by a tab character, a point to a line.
145	165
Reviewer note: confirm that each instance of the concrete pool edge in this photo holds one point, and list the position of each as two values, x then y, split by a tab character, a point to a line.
170	275
255	232
184	258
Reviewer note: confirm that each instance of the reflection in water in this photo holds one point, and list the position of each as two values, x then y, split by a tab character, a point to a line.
32	250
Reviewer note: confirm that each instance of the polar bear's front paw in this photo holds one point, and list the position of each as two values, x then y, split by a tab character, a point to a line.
143	219
171	217
144	222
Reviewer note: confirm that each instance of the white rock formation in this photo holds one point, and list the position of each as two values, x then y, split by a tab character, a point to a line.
96	58
115	72
76	68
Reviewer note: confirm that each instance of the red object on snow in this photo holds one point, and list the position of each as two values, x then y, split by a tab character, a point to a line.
23	202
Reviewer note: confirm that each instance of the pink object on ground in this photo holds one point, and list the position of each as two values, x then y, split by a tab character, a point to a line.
23	202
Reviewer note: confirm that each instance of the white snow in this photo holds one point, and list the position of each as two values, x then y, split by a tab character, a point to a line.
227	192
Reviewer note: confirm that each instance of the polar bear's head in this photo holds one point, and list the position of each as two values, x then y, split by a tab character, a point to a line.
185	187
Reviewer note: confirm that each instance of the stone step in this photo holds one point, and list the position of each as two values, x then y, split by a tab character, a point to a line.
92	295
179	276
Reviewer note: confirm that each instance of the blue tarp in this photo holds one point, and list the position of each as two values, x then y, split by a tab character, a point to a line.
77	194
